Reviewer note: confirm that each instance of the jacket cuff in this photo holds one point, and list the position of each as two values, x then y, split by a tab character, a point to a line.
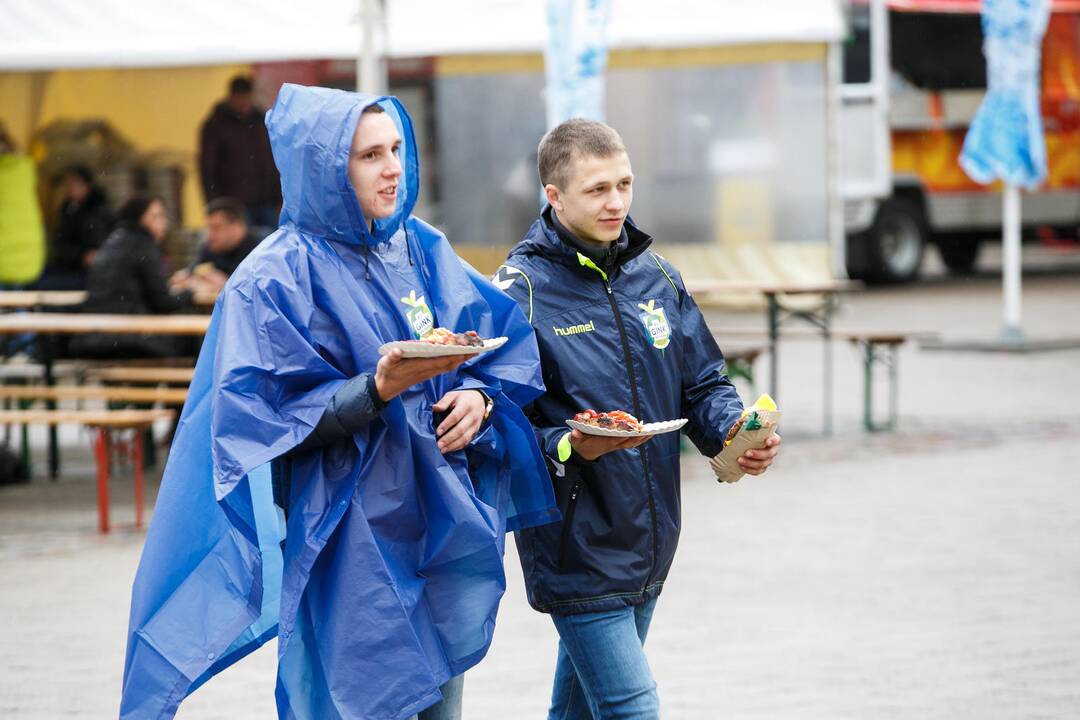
356	403
377	403
353	405
556	448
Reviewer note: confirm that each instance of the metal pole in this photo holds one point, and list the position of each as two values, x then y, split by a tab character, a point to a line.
1011	264
138	458
774	337
826	334
370	73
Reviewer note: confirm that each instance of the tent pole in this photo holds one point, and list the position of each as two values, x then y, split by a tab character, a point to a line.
1011	264
369	75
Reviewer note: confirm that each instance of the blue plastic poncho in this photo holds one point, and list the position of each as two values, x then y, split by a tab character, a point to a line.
1005	141
390	572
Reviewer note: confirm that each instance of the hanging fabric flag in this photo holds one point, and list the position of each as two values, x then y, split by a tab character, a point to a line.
575	59
1005	141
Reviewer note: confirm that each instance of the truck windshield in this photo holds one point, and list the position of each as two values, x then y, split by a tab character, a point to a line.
935	51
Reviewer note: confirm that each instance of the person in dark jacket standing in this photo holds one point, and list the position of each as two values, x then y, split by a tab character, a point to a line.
84	222
617	330
235	158
126	277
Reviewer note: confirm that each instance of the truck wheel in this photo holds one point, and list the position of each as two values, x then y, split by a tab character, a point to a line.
895	242
959	254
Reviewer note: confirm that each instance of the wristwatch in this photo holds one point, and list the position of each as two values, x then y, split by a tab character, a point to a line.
489	404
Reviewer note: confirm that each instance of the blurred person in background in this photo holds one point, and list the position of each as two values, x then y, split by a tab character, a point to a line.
228	241
22	240
234	155
126	277
83	224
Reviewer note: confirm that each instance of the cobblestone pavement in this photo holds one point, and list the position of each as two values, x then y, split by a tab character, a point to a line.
933	572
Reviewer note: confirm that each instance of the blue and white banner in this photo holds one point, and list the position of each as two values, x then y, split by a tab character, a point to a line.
575	59
1005	140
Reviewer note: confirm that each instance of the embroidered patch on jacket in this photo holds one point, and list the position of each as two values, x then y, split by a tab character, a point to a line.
656	324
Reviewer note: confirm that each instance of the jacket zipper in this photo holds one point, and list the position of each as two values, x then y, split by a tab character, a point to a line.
568	520
637	413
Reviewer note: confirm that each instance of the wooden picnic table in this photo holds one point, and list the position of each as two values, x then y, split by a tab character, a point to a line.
111	393
143	374
29	299
49	324
776	314
33	299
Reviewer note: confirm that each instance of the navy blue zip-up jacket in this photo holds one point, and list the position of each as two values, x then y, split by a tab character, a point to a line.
626	337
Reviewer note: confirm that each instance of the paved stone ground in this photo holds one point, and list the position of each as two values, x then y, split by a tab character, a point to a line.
933	572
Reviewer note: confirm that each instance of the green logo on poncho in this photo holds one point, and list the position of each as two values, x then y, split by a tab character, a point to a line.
419	314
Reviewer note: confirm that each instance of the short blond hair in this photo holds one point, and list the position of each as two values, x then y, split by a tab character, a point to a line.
576	137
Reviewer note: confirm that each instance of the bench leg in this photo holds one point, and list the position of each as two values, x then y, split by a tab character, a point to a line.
887	355
868	386
24	452
48	350
894	409
101	449
137	450
826	334
742	369
774	341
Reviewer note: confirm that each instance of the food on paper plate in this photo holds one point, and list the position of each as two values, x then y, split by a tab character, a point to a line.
614	420
443	343
442	336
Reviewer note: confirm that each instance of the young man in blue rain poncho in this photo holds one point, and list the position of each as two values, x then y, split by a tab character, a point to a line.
398	477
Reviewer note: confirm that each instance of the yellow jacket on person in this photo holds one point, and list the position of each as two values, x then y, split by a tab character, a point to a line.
22	239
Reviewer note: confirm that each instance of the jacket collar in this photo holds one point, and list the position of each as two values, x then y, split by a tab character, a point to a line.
544	239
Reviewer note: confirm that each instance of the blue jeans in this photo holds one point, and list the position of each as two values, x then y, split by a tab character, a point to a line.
602	671
449	708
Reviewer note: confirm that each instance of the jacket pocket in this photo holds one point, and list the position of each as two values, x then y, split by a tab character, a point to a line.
568	521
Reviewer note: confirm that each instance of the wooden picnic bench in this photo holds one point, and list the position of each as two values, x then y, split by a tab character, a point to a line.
109	393
33	299
147	375
46	325
739	362
877	348
778	312
103	422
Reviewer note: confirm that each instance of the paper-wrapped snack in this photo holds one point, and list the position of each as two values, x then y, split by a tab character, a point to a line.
756	424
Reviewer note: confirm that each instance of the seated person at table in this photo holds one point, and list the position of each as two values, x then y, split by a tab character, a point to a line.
228	242
126	277
84	222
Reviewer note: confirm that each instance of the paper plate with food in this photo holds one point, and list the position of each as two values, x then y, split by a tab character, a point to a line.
617	423
441	342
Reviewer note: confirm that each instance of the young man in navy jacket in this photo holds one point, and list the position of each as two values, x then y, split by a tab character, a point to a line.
617	331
